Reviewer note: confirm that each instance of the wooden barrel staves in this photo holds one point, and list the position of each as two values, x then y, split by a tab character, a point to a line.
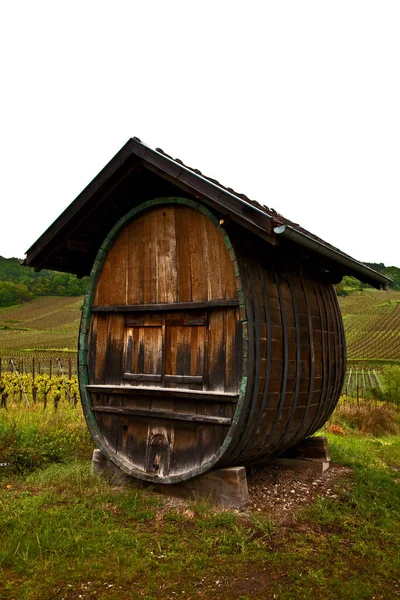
201	350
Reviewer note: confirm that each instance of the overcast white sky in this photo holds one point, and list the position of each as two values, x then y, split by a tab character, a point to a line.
294	103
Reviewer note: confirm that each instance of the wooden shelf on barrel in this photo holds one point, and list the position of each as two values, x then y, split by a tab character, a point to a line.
170	393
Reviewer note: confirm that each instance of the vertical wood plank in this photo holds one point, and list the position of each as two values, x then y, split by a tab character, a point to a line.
198	249
166	255
135	271
215	260
112	286
150	271
115	348
100	322
184	270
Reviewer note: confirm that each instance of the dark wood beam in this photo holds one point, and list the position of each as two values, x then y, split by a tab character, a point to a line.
118	308
163	414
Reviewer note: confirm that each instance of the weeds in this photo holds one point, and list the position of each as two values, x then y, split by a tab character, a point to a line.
31	438
366	417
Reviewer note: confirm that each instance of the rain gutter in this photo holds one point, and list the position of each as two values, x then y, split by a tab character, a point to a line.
298	237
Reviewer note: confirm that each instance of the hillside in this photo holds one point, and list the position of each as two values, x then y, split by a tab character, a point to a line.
371	319
20	284
41	324
372	324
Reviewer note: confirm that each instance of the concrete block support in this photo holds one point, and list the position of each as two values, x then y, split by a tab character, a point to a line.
311	453
226	488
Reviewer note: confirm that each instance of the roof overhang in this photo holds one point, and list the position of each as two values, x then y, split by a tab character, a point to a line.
70	244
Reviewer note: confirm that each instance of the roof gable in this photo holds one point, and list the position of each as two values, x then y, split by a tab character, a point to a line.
138	173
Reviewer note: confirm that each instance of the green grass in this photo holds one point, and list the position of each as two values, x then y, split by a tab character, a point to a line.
67	534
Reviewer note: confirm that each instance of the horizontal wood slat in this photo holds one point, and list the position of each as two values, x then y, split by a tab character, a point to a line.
168	378
175	393
170	322
113	308
184	378
163	414
141	377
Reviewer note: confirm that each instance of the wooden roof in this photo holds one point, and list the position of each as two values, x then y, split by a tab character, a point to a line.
138	173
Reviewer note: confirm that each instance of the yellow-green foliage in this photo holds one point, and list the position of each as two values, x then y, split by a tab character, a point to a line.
40	388
365	416
31	436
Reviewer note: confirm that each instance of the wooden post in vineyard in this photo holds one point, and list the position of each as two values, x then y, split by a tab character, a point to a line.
357	387
363	382
20	384
371	385
50	368
378	380
349	382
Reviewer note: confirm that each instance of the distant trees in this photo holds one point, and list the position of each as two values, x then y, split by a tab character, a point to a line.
19	284
348	285
392	272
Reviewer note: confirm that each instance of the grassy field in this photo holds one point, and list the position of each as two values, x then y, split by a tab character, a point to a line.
43	326
68	535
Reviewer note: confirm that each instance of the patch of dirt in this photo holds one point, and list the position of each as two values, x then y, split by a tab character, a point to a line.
280	492
277	492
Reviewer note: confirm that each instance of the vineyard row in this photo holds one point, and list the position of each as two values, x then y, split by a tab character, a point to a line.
39	366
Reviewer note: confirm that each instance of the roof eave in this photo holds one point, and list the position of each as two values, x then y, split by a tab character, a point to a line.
355	267
80	201
240	209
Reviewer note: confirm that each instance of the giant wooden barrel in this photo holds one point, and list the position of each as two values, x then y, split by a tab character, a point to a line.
200	349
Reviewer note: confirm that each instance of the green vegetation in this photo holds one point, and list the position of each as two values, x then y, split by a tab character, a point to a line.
392	272
350	285
19	284
32	438
367	417
372	325
40	325
67	534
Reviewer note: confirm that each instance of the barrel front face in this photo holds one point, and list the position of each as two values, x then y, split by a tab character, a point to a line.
163	368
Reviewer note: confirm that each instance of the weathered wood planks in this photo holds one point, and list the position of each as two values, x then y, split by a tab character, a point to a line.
204	350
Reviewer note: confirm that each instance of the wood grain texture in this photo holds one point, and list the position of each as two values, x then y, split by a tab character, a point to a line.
306	354
168	256
187	325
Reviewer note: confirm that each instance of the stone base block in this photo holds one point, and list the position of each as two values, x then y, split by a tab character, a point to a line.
226	488
311	453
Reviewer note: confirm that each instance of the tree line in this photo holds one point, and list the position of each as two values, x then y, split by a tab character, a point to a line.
19	284
348	285
392	272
